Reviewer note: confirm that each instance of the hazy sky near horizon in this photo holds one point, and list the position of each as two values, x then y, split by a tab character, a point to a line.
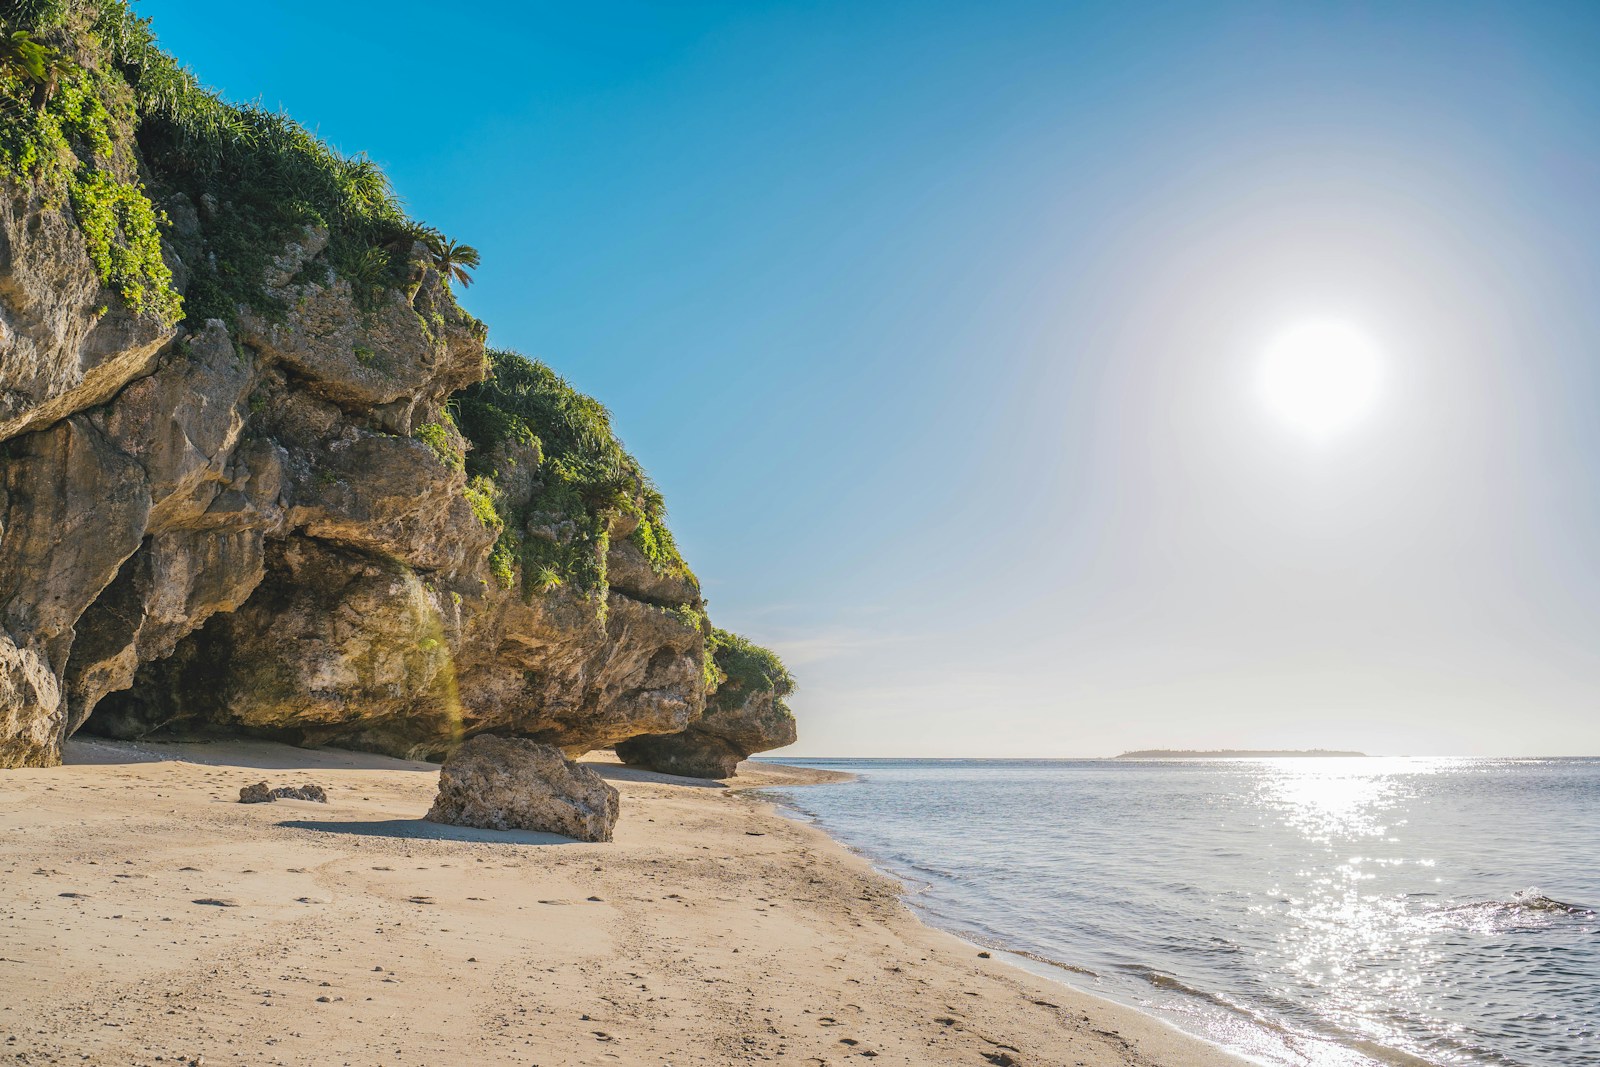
938	325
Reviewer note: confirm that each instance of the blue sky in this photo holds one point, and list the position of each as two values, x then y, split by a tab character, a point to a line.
935	323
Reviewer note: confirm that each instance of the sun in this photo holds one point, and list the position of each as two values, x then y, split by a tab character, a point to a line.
1320	376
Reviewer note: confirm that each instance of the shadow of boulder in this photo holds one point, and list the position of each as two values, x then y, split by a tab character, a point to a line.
423	830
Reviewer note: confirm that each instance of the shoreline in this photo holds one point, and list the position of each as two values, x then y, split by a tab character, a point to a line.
1249	1039
1058	973
154	920
1244	1036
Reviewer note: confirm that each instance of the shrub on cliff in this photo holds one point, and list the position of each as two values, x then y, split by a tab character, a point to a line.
585	478
34	15
747	667
64	132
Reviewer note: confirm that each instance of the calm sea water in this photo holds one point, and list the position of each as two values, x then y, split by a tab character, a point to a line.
1302	911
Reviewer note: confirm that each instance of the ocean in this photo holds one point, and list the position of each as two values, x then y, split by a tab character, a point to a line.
1326	911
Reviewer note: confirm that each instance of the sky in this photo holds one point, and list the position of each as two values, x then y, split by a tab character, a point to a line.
940	326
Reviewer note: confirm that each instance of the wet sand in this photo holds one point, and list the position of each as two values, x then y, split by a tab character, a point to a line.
148	918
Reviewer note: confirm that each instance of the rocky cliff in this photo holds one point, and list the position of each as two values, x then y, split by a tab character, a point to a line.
259	473
744	714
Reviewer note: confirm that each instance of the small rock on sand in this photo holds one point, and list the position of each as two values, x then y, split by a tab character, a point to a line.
262	793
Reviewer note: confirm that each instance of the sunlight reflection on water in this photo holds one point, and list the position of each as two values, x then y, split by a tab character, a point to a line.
1337	798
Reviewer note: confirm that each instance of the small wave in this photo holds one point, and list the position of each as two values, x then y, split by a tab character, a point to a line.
922	868
1036	958
1526	900
1527	909
1163	980
1533	900
1211	946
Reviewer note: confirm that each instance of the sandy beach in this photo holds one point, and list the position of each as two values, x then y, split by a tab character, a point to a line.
150	919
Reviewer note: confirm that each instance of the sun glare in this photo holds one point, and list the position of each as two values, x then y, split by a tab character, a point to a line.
1320	376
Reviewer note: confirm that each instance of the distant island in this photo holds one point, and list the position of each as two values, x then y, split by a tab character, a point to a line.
1232	753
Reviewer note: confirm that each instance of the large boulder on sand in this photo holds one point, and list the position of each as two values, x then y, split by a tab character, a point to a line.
508	783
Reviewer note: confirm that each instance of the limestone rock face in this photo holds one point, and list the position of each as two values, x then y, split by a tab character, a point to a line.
334	646
344	648
204	536
68	342
263	523
153	482
166	591
731	730
72	509
548	668
416	343
498	783
390	496
30	709
123	528
242	534
183	422
630	574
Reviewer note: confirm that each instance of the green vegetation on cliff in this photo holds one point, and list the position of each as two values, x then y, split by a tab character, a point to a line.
64	127
745	667
584	479
255	178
